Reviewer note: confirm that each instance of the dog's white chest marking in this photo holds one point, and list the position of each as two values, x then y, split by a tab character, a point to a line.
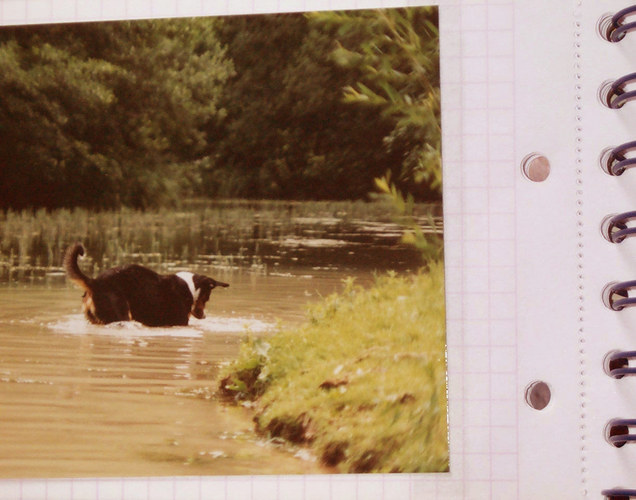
189	279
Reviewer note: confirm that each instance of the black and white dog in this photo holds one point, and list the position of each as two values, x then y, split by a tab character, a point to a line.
137	293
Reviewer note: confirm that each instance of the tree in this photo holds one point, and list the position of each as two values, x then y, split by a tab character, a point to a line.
288	133
109	113
397	52
295	106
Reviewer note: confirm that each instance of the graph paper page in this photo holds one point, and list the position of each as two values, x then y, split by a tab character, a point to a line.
516	312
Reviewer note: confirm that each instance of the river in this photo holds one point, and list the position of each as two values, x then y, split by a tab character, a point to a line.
79	400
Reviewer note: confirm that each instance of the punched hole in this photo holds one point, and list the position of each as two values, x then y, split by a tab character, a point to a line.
538	395
608	229
603	26
605	160
604	93
609	295
614	364
535	167
612	430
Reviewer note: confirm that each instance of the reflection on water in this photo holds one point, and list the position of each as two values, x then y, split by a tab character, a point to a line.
80	400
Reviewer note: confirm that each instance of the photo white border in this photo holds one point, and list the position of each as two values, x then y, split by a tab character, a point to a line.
478	116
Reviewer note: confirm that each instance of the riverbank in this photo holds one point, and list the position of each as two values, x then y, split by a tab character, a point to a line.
362	382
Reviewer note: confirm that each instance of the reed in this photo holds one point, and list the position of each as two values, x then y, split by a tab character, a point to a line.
233	233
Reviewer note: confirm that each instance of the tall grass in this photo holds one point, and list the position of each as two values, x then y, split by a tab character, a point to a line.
202	232
363	381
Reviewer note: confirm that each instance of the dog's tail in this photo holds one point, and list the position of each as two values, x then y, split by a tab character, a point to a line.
75	274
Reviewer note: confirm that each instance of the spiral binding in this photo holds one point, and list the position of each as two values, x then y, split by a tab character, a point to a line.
616	295
617	364
614	161
618	494
614	28
616	228
614	93
617	431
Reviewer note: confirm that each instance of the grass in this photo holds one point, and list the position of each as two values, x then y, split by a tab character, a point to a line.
362	382
228	233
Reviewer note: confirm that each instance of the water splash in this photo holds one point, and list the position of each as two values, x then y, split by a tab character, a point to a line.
77	324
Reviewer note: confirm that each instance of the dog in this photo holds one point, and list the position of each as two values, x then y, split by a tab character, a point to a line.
136	293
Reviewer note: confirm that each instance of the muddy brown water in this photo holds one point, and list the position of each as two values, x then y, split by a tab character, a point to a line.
78	400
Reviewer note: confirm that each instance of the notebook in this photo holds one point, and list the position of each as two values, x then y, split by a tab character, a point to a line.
538	256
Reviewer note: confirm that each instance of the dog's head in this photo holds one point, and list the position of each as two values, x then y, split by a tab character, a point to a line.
200	287
203	285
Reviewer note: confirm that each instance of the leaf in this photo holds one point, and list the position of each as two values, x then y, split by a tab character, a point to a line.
382	184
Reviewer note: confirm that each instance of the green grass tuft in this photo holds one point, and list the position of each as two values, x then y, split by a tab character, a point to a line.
363	381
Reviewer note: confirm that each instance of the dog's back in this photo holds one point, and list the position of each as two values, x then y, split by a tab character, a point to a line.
153	299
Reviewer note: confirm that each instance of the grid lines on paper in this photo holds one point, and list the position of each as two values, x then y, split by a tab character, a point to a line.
484	269
479	209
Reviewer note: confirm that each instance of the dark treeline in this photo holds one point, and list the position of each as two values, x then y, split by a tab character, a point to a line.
290	106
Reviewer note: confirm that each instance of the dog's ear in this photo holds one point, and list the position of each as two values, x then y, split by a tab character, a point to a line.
214	283
204	282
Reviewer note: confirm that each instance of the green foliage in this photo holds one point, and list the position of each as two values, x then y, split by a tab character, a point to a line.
288	134
103	114
429	243
140	113
397	53
363	381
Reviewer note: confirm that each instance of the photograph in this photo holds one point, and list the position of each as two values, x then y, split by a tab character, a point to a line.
222	246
